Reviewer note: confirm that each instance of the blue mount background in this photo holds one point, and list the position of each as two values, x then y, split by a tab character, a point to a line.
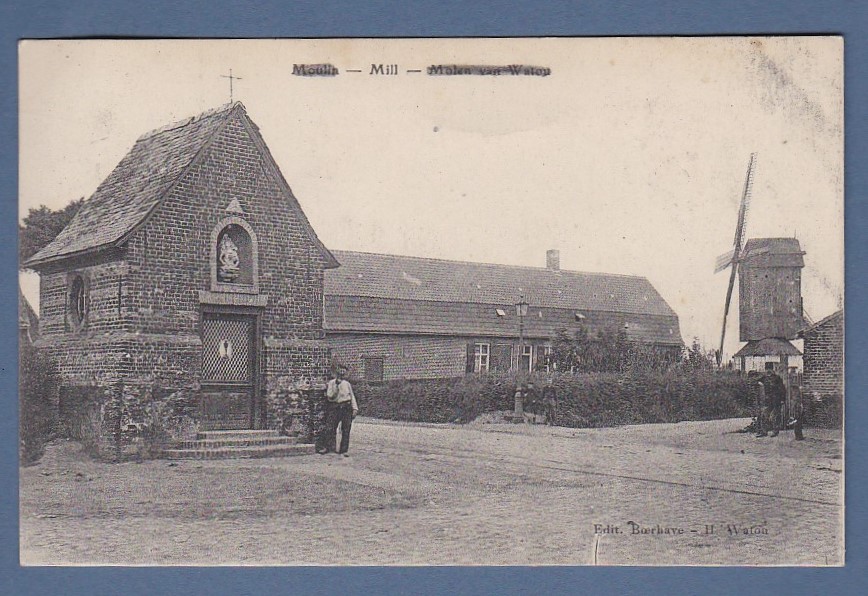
170	18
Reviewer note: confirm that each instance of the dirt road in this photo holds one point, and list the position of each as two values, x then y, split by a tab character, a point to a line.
688	493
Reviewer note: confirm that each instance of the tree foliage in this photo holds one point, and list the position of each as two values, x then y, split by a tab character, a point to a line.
41	226
697	358
609	351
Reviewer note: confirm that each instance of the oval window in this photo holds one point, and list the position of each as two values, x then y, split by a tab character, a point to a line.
78	301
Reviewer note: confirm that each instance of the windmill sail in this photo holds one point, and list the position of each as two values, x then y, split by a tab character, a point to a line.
723	261
735	254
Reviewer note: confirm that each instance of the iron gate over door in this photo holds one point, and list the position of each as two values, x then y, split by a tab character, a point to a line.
228	360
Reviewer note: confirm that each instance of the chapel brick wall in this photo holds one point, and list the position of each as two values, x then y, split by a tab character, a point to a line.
295	372
106	292
96	353
143	330
170	256
169	362
298	359
103	360
96	361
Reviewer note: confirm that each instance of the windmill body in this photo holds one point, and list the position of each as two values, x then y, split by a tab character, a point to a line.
770	304
770	289
770	293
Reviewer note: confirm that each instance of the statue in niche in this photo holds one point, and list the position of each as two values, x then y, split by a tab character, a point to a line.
228	268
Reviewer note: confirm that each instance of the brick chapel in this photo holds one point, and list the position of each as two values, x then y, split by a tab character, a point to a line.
191	271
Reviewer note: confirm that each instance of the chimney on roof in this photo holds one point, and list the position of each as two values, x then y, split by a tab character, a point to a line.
553	259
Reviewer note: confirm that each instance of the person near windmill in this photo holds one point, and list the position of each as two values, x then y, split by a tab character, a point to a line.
772	395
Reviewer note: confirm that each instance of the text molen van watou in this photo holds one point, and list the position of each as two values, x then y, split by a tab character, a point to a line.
483	70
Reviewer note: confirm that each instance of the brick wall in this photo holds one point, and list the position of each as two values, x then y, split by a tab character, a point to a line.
88	361
404	357
143	325
105	282
298	359
95	352
294	374
824	358
106	359
170	256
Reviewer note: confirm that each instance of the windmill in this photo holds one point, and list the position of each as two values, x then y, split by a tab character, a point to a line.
732	257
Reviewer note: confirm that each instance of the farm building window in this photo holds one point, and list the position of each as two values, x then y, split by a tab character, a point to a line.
77	302
481	357
527	358
373	368
547	358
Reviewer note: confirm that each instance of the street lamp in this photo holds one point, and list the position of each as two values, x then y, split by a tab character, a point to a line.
521	313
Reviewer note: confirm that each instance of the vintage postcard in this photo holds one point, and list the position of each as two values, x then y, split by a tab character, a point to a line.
564	301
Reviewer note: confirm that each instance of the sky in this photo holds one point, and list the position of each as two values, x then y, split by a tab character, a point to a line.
629	157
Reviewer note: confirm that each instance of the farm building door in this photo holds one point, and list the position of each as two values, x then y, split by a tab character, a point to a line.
228	371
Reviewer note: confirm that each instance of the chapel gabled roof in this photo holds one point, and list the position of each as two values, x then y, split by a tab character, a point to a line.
132	191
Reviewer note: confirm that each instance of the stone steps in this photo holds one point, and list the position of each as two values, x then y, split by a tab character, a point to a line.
231	444
240	452
215	443
236	434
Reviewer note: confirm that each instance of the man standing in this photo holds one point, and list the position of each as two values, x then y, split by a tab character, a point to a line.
772	396
341	409
756	381
550	401
776	393
531	400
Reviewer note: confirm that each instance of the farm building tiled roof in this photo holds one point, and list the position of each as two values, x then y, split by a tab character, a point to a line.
396	294
768	347
414	278
138	184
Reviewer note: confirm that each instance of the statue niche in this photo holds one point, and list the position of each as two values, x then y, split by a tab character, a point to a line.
235	256
228	269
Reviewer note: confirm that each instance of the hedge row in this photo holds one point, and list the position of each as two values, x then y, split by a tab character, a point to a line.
435	400
584	400
37	402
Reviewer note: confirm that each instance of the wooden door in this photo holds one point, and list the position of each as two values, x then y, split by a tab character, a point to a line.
228	367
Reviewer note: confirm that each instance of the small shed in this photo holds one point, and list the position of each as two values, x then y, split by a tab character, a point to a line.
769	354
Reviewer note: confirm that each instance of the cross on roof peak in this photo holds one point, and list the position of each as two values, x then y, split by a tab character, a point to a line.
231	78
